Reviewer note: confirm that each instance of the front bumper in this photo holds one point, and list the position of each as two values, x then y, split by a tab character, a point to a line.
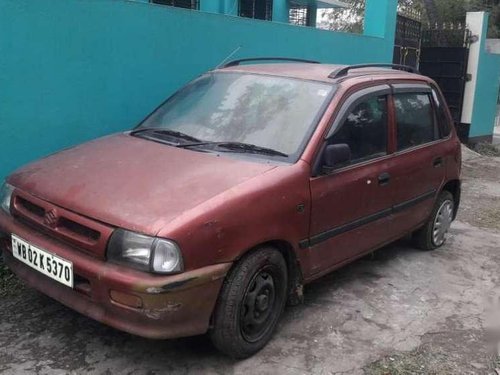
170	306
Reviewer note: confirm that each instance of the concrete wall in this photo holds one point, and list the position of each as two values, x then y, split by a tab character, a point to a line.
73	70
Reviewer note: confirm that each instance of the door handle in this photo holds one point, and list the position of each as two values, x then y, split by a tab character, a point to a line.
384	179
438	162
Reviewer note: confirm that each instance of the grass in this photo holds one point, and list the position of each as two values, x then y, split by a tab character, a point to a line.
417	362
487	149
445	358
9	283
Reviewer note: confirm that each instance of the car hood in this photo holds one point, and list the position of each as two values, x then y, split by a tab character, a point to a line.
131	182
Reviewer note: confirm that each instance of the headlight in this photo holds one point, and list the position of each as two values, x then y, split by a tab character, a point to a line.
5	197
144	253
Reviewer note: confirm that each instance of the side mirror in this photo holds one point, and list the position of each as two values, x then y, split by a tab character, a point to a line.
336	155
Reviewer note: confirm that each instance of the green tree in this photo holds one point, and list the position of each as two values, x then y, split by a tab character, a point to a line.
351	19
492	6
433	12
454	11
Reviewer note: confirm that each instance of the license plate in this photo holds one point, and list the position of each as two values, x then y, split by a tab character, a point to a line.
41	260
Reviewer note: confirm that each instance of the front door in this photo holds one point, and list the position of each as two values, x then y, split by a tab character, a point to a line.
352	204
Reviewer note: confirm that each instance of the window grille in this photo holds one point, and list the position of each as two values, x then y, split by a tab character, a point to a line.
299	15
187	4
408	32
258	9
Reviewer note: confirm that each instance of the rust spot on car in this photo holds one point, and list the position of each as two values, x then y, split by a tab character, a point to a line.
159	313
169	287
210	223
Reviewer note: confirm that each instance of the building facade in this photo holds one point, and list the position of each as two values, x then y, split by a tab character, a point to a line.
74	70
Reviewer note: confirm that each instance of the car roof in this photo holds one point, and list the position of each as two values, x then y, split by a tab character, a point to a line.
321	72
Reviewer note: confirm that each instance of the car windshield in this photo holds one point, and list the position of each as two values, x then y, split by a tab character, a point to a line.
272	113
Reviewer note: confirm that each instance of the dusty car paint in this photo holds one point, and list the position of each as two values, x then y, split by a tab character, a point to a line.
216	208
171	305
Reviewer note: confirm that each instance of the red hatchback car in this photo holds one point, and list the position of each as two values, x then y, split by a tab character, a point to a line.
248	183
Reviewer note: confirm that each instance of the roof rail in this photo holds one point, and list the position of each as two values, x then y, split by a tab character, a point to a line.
238	62
342	72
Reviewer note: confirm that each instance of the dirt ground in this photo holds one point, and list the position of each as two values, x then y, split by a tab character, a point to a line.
399	311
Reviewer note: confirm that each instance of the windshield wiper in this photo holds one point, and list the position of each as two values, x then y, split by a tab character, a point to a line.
168	132
237	146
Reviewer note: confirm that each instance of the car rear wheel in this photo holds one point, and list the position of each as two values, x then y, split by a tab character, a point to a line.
434	233
250	303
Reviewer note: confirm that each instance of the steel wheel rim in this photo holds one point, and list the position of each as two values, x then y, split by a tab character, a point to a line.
442	223
258	305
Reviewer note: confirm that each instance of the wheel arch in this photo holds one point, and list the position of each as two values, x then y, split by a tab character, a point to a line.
455	188
295	278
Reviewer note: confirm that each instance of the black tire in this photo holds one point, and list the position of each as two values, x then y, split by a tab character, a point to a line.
258	280
424	237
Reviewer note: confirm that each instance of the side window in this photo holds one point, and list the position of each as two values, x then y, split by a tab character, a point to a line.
365	129
258	9
415	120
188	4
442	117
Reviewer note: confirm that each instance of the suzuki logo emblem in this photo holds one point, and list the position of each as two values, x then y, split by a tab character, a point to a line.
50	218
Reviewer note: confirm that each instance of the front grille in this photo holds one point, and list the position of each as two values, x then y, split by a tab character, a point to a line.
31	207
82	232
79	229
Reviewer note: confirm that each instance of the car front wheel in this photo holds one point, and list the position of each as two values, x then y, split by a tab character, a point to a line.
250	304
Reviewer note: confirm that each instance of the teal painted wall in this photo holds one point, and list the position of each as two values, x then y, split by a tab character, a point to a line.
281	11
73	70
485	102
487	90
212	6
380	21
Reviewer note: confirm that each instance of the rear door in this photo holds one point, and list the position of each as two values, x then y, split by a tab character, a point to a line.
351	204
420	161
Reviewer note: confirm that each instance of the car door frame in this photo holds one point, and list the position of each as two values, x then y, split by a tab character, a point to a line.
350	99
352	96
426	199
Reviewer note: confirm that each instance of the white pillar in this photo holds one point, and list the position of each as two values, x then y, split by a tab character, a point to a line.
476	24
